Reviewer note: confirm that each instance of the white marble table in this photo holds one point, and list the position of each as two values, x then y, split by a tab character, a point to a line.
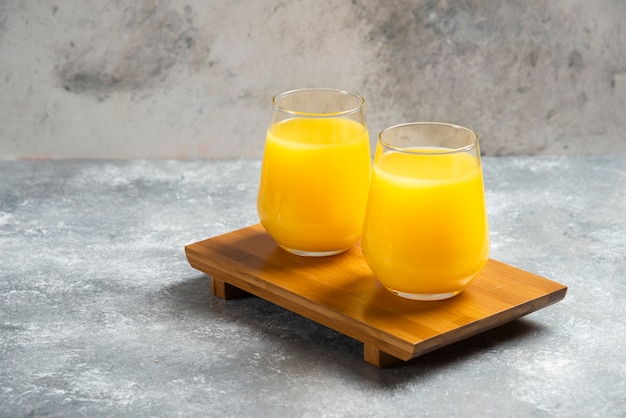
101	315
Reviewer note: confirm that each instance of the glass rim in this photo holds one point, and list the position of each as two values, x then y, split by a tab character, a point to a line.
292	112
433	151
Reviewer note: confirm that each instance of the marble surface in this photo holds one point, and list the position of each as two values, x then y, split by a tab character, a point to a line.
101	315
194	78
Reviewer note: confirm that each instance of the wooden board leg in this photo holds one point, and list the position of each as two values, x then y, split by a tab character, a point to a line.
225	291
379	358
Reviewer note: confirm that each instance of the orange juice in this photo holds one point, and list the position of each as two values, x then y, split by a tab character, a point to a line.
426	228
314	183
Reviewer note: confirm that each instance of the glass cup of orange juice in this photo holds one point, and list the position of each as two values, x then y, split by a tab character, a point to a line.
315	172
425	234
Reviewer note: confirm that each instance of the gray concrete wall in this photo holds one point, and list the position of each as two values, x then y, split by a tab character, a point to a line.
194	79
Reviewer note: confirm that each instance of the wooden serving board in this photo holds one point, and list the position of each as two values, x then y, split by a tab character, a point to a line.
341	293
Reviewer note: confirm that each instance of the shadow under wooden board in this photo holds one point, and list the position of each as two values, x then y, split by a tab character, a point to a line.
342	293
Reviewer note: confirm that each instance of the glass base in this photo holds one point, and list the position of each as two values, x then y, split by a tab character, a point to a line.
424	297
314	253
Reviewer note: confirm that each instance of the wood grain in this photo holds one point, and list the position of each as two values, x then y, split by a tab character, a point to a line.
341	293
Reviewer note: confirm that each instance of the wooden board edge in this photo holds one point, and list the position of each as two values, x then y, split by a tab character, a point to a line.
300	305
489	323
